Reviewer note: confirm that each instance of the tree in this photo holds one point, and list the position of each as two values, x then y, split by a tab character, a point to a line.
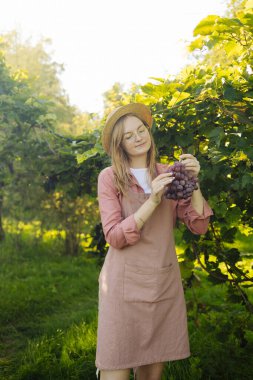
208	111
42	179
118	96
33	62
20	114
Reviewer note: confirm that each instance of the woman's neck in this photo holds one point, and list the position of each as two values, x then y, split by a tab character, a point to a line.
138	163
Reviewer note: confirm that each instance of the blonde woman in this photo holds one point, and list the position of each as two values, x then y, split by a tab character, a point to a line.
142	321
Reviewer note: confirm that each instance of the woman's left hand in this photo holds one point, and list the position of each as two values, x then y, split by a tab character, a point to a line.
191	164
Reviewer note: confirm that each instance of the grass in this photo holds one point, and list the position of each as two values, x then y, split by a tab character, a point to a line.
48	319
46	300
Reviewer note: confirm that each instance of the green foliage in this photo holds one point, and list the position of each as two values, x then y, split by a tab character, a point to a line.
50	157
48	309
33	63
118	96
232	35
48	320
21	115
220	332
39	175
207	111
65	355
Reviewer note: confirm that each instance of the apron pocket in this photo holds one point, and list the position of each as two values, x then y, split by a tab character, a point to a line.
145	284
166	283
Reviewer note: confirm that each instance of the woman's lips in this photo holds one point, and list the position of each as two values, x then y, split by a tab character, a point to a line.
137	146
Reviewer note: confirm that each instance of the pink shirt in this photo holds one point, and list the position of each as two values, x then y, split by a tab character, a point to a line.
120	232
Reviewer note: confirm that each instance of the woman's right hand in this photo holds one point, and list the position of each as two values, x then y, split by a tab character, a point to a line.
158	186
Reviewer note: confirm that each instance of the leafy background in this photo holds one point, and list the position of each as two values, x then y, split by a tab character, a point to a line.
51	243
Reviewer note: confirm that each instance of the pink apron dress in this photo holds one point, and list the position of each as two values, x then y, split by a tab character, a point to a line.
142	312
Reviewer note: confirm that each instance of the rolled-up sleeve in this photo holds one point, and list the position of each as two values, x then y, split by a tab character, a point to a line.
195	222
119	232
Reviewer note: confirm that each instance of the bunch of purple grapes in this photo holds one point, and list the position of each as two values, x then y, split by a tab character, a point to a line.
183	185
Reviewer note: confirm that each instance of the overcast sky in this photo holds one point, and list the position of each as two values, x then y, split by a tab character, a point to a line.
101	42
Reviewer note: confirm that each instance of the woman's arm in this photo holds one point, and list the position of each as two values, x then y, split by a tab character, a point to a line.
157	189
120	232
197	201
195	211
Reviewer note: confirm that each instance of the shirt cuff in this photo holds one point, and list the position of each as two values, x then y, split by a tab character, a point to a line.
130	230
192	214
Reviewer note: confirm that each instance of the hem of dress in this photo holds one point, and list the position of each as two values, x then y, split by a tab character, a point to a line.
133	365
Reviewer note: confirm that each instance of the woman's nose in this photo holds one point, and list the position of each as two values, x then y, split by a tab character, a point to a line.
137	137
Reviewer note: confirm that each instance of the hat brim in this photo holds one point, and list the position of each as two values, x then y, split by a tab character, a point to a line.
137	109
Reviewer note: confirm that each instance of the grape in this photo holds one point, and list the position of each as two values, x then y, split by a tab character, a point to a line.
183	185
180	194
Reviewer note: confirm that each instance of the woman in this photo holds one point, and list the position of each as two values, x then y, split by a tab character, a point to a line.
142	320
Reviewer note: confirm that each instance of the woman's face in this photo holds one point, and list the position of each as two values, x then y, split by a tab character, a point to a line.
136	138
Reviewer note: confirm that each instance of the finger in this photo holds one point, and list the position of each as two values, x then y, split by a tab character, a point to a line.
165	181
164	175
192	170
185	161
162	184
158	179
192	164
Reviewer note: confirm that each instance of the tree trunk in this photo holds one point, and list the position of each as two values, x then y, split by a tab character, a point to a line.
2	233
71	243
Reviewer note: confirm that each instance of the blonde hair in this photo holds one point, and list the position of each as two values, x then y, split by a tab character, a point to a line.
120	159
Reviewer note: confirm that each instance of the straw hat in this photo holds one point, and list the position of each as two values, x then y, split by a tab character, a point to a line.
137	109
